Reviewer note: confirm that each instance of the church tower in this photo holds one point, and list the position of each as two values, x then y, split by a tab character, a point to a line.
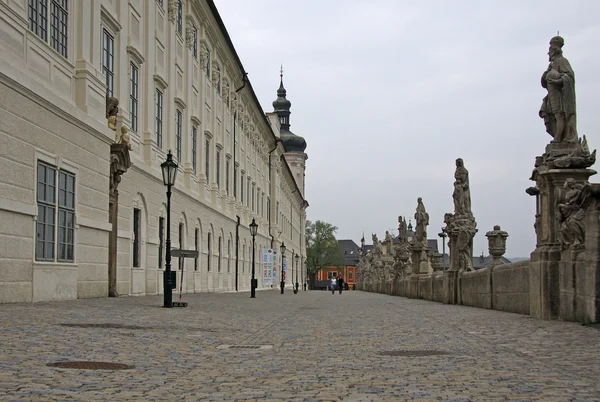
294	144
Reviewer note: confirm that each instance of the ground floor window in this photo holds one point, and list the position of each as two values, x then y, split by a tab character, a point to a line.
55	228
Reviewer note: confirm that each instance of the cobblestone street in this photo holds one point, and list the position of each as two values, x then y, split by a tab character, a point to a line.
324	348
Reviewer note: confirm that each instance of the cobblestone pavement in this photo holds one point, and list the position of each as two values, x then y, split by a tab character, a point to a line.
325	347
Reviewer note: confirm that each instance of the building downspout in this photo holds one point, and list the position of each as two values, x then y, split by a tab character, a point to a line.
237	226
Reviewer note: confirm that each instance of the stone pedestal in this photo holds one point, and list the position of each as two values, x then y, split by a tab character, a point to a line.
544	267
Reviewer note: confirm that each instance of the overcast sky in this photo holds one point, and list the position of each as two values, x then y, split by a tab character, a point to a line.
389	93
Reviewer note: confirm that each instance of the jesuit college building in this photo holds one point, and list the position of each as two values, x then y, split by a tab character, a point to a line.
180	86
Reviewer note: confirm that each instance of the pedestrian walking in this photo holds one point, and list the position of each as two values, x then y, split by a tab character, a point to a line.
332	284
340	283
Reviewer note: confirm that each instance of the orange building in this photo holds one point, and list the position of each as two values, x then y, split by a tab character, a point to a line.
348	271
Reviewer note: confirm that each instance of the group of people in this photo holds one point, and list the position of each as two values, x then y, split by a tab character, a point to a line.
338	283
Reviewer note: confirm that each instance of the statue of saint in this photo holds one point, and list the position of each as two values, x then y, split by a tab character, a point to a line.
422	220
402	230
558	106
389	242
462	192
571	214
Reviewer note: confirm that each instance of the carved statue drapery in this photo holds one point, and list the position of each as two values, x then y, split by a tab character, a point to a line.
421	222
462	191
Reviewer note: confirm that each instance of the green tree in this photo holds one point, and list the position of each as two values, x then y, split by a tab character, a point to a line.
322	248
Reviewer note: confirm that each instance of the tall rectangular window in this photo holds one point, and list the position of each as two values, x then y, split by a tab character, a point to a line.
235	173
242	190
209	251
159	118
108	61
38	18
196	246
133	96
136	237
207	160
46	227
227	177
220	254
178	128
269	210
248	195
180	17
161	240
253	196
181	237
59	18
194	149
218	168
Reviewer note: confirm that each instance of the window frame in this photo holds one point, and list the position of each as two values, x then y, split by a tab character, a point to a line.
137	242
62	203
159	109
178	134
51	24
180	17
195	149
134	85
108	66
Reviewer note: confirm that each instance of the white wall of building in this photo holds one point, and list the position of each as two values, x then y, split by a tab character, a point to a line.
52	111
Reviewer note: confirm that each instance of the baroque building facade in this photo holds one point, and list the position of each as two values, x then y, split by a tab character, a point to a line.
182	87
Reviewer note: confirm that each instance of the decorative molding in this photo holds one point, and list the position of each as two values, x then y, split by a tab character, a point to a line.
160	81
109	19
195	121
173	8
135	54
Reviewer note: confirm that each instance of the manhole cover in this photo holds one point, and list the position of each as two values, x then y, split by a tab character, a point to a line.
254	347
413	353
105	325
91	365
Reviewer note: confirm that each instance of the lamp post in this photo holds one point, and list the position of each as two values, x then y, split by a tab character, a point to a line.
253	231
443	235
282	284
297	267
169	173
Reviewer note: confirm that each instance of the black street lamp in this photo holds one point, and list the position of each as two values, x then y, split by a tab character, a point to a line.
297	267
169	173
253	231
282	284
443	235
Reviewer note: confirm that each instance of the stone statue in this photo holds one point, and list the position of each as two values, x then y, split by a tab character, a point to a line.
124	138
389	242
402	230
558	107
462	192
571	213
465	261
112	109
421	221
190	35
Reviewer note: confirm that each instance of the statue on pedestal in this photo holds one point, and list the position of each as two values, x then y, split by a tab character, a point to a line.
558	107
571	214
462	191
422	221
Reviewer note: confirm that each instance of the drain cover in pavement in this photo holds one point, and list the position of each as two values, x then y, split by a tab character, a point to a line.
248	347
413	353
91	365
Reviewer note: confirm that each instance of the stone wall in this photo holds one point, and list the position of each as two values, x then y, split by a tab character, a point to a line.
510	284
476	288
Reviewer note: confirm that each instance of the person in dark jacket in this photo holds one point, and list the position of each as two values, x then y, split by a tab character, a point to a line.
340	283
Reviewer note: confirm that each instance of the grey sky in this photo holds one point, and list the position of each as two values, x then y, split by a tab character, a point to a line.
389	93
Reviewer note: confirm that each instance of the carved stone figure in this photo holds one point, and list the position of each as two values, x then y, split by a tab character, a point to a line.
421	221
172	9
402	230
571	214
580	157
558	107
124	138
216	77
462	191
389	242
112	110
225	91
465	259
190	35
